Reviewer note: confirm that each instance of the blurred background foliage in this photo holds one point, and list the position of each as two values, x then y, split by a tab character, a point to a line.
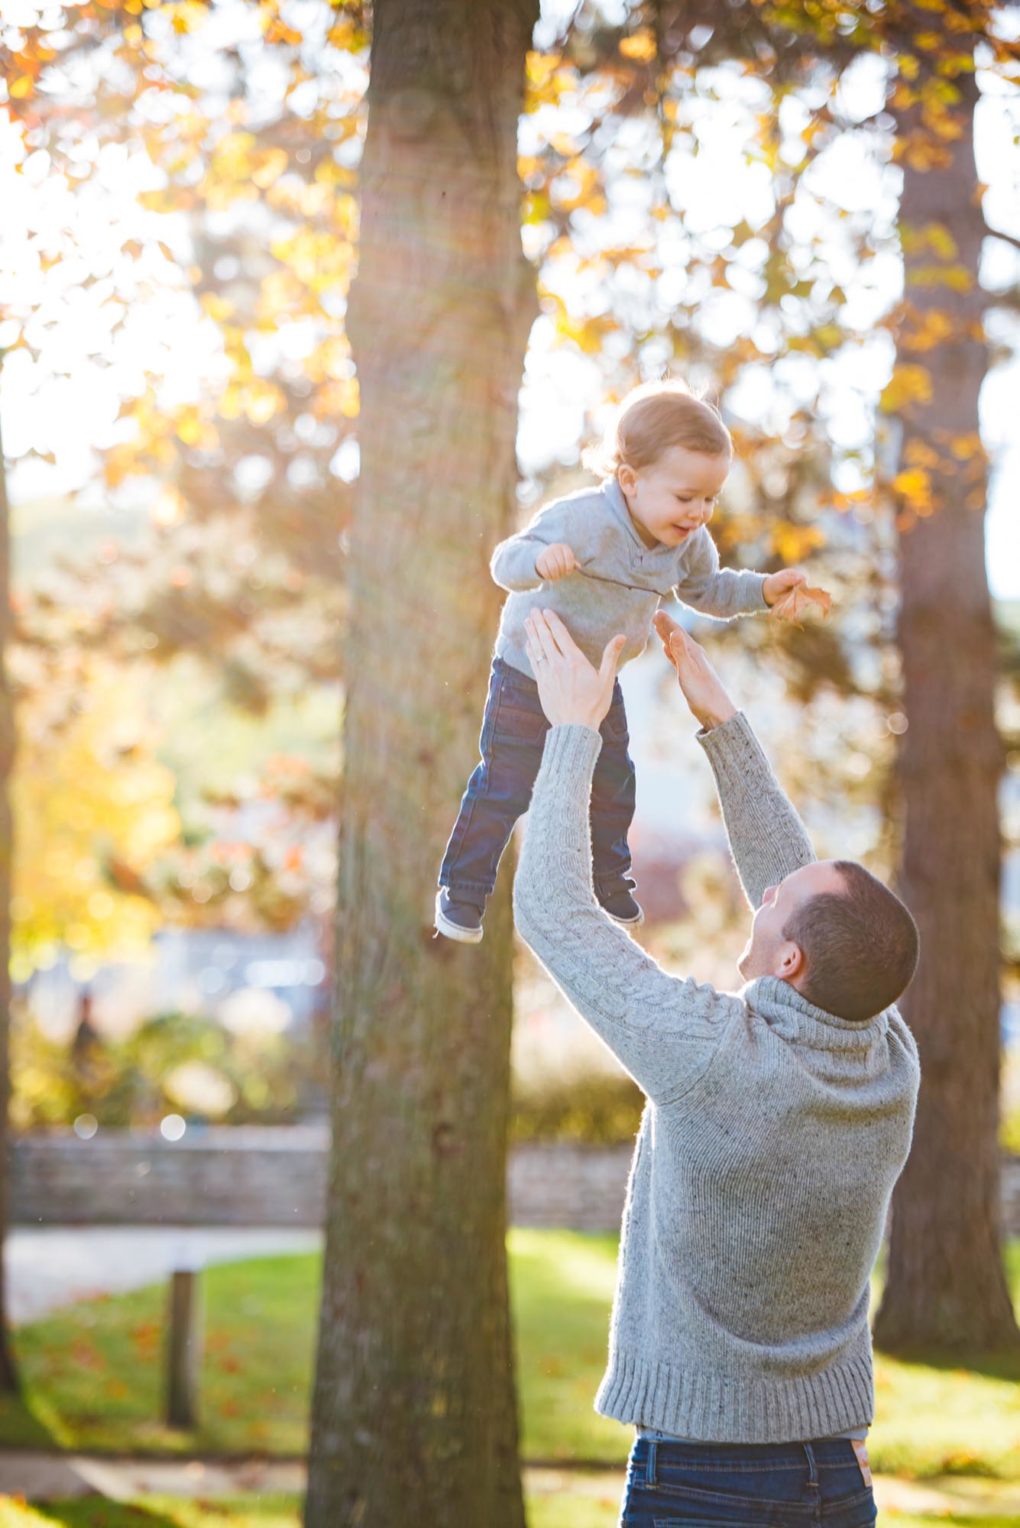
179	406
173	1063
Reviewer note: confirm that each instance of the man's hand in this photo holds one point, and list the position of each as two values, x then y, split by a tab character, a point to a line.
700	684
555	562
778	584
570	689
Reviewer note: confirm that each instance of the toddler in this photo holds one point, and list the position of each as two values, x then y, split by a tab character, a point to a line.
603	559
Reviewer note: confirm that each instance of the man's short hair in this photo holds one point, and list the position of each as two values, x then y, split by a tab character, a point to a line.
861	947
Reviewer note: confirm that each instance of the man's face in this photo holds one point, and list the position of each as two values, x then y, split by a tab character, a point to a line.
767	953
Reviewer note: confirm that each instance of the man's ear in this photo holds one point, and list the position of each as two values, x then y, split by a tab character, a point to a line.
791	961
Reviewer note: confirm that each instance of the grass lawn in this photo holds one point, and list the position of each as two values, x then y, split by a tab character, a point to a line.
155	1512
591	1508
93	1372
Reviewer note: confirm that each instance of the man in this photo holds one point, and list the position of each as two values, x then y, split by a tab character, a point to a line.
778	1120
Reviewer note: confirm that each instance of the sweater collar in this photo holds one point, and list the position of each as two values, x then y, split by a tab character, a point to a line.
792	1016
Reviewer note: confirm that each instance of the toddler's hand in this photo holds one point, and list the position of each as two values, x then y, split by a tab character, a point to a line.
790	597
778	584
555	562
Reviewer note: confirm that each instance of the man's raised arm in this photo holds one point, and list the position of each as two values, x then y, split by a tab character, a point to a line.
767	838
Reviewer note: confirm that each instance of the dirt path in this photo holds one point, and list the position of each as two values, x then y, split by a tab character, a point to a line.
48	1477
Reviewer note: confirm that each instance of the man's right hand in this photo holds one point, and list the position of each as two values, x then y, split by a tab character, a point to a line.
555	562
699	683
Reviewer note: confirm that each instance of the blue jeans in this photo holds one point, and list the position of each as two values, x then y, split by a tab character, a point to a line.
746	1485
511	743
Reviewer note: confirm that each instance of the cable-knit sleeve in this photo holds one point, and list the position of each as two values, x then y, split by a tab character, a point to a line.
512	564
767	838
716	591
663	1029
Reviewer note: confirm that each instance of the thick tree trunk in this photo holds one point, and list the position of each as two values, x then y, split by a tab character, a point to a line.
946	1287
414	1411
9	1384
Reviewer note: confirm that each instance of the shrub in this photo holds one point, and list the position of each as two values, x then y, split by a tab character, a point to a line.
172	1063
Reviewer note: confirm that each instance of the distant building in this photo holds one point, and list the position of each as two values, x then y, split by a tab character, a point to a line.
272	980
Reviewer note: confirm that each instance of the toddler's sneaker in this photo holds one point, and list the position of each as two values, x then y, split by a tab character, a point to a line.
623	909
458	920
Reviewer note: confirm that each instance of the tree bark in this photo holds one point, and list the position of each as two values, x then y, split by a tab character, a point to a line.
414	1409
9	1382
946	1288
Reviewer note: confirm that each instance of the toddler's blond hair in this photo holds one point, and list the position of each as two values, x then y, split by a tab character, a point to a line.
649	420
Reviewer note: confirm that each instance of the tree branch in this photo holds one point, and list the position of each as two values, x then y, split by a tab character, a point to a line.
995	233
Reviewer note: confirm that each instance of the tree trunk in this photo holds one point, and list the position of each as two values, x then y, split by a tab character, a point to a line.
9	1384
414	1411
946	1288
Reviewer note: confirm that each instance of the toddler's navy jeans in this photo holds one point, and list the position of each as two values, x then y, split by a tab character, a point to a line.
511	743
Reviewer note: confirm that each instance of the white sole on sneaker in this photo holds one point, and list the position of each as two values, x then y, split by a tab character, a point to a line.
625	922
454	930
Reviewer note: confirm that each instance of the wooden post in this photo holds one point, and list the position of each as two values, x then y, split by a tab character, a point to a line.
183	1348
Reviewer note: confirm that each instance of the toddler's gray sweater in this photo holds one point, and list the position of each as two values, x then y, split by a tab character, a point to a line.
621	582
769	1147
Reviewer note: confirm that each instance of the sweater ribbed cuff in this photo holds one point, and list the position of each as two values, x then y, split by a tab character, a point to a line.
570	752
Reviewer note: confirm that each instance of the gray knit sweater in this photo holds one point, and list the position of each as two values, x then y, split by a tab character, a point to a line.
769	1147
621	582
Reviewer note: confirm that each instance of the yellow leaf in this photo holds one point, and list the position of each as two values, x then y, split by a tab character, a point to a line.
956	277
540	67
640	46
269	167
914	486
908	384
91	791
217	307
278	31
843	501
792	542
918	453
964	447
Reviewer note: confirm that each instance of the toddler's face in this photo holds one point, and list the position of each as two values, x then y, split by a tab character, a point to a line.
676	494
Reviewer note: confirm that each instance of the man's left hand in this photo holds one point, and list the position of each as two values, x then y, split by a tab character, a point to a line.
569	687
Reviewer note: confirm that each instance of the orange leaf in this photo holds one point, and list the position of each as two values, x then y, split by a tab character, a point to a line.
794	605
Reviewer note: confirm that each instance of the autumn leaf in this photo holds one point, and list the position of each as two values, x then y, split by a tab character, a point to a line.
795	605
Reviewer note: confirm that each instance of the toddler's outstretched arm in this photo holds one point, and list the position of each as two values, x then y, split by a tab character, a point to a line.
720	592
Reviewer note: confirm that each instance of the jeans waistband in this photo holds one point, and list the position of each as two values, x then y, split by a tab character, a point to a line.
513	675
825	1450
524	683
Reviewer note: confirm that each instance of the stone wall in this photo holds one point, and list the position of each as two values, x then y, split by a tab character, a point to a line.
212	1176
256	1176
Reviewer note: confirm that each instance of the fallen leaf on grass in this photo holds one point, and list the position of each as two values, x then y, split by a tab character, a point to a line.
86	1354
145	1337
